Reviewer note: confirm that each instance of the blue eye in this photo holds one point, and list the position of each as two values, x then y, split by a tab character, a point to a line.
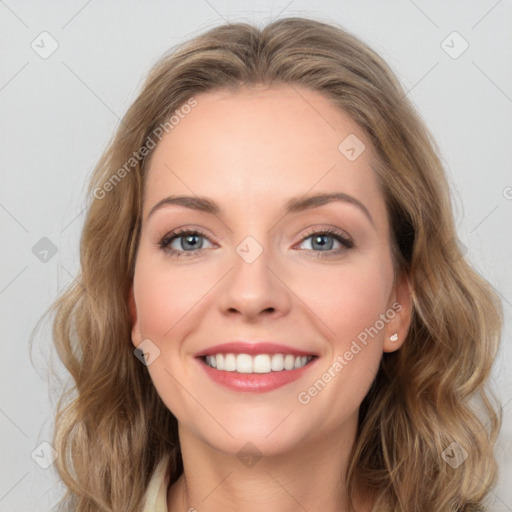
191	242
188	238
318	239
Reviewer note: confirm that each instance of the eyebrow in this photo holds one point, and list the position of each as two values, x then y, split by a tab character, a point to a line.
293	205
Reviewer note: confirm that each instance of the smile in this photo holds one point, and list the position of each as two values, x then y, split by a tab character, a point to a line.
257	374
261	363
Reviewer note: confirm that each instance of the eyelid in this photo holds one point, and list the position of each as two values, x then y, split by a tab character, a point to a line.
330	230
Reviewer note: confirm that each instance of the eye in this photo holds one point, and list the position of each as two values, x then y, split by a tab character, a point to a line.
320	240
189	240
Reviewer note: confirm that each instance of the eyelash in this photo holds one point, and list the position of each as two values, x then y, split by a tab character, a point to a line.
164	243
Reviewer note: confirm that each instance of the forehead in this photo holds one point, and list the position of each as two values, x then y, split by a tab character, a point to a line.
262	144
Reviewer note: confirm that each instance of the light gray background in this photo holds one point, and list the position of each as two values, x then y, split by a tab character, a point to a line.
57	115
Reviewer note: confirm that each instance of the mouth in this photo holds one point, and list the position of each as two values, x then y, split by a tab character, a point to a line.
256	373
256	364
254	367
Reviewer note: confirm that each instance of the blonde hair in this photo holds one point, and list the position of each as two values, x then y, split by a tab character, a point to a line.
112	428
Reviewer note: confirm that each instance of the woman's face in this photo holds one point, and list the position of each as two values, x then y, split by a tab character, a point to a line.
260	268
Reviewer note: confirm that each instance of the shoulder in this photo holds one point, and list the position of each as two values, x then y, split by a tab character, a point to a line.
156	492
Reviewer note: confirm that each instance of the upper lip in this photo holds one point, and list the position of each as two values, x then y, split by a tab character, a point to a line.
242	347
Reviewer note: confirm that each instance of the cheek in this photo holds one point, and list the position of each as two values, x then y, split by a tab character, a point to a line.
153	297
350	303
164	295
348	299
165	298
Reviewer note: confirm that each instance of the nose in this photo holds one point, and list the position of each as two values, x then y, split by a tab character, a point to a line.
255	289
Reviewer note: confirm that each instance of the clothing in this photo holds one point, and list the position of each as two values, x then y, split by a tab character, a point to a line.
156	493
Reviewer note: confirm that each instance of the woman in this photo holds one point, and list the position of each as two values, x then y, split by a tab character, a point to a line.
273	311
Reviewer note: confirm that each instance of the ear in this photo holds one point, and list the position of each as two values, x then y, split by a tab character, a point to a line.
136	338
401	305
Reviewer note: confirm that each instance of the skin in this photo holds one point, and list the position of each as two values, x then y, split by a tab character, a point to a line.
250	151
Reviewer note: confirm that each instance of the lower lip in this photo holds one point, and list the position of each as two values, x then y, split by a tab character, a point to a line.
255	382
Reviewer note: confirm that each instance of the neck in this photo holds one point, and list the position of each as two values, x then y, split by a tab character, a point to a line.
309	478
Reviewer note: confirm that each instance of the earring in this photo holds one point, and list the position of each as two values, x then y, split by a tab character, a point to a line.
394	337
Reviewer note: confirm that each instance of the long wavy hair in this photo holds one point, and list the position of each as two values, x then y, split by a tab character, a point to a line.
112	428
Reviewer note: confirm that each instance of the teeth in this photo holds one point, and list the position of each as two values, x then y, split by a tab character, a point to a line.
229	362
262	363
244	363
277	362
289	362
